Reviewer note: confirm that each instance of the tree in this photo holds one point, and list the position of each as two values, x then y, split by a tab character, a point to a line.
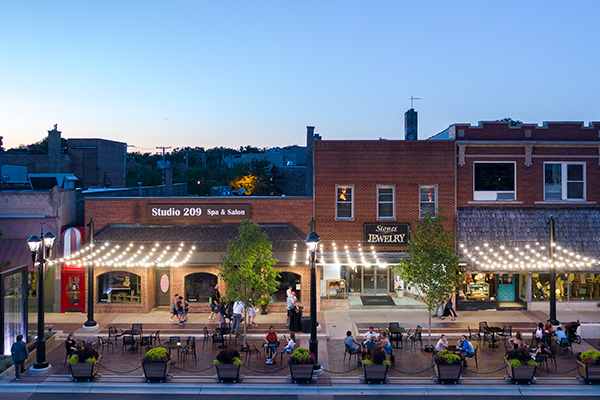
513	122
432	265
248	270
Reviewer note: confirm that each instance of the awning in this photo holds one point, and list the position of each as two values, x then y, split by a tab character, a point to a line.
518	238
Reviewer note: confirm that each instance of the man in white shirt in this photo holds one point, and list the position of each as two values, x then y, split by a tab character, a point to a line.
291	305
370	337
238	310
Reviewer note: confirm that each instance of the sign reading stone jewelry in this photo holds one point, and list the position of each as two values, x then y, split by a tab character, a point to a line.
198	211
386	234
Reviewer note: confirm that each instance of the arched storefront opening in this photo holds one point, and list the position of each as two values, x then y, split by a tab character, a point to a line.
119	287
288	279
199	286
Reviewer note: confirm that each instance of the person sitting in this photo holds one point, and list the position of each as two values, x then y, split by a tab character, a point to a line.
70	345
370	338
539	332
384	344
441	344
518	342
561	336
288	349
539	351
352	344
271	343
466	349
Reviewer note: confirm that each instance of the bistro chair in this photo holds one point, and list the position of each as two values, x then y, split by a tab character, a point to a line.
102	343
176	339
114	333
146	341
218	338
416	337
350	352
473	333
128	340
156	338
189	350
506	332
136	327
252	349
206	336
483	329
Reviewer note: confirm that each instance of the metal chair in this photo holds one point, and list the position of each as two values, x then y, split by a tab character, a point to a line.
146	341
487	337
218	338
102	343
189	349
252	349
115	333
565	344
350	352
156	338
416	337
506	332
473	333
206	336
128	340
176	339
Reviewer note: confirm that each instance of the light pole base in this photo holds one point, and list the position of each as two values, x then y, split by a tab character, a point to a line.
37	369
90	325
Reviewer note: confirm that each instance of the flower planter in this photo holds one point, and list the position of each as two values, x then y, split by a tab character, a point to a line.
400	293
448	373
522	374
375	373
301	372
156	371
228	373
263	309
589	372
84	371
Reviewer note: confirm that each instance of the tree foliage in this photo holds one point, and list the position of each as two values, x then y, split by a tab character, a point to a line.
432	265
513	122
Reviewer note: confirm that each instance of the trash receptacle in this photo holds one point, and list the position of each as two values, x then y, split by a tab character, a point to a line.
305	324
295	321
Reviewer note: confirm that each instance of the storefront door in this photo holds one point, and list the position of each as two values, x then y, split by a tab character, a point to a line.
506	288
163	287
73	291
375	281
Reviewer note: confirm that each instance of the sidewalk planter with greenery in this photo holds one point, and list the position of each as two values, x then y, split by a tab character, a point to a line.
520	367
83	370
156	364
228	365
375	367
588	365
264	302
302	365
447	367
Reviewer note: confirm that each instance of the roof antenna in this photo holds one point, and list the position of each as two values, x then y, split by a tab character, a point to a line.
412	100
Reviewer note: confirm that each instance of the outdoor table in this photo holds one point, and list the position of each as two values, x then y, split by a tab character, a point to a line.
396	334
454	350
493	330
172	345
219	331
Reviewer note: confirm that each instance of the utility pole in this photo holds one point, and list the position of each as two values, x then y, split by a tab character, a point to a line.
163	165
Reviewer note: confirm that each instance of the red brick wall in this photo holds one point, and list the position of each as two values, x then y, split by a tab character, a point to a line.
366	164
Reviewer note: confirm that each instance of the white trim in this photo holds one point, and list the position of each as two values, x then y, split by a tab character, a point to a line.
435	202
564	182
491	195
352	194
393	217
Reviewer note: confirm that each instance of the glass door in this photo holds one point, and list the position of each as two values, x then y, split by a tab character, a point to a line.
375	281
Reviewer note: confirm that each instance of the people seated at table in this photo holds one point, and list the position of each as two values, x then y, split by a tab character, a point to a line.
466	349
85	351
384	344
352	343
288	349
370	338
539	332
561	336
70	345
271	343
517	342
441	344
539	352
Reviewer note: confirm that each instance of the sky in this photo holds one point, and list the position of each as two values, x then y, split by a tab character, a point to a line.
235	73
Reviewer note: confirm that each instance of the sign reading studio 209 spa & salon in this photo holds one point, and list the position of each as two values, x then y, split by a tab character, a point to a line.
386	234
198	211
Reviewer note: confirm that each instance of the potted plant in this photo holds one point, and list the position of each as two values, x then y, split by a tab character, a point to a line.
228	363
448	366
520	367
399	290
301	364
264	302
375	366
83	367
588	365
156	364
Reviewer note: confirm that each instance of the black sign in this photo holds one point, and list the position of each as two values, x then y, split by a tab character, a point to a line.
386	234
198	211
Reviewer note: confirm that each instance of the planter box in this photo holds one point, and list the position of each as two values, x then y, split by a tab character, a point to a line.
375	373
84	371
522	374
588	372
228	373
448	373
157	371
301	372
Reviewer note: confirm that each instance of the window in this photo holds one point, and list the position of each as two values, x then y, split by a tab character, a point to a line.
494	181
386	200
344	202
427	200
119	287
199	287
286	280
557	188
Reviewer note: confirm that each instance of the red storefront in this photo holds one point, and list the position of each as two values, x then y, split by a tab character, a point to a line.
72	288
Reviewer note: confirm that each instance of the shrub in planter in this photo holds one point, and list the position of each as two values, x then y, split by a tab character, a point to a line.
375	366
228	363
588	365
84	364
156	364
448	366
520	366
301	364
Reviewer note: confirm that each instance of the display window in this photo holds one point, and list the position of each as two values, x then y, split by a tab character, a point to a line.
478	287
119	287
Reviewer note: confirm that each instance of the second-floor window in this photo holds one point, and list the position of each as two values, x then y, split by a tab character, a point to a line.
386	199
427	200
344	202
564	181
494	181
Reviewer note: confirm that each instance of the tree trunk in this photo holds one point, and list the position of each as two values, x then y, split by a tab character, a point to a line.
429	333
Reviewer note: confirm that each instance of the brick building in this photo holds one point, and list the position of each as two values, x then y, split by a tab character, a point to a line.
510	180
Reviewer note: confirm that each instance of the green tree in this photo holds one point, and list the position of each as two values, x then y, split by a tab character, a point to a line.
432	266
513	122
248	268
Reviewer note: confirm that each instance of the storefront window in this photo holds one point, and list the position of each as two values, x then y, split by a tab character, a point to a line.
478	287
288	279
119	287
199	287
353	277
540	286
582	286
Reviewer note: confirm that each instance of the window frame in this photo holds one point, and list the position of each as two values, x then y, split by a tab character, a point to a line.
393	217
564	182
435	202
337	217
484	195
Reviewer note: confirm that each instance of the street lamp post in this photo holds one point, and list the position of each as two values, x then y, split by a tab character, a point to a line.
40	247
552	298
312	240
90	323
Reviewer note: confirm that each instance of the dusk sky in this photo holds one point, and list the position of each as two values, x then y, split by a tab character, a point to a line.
236	73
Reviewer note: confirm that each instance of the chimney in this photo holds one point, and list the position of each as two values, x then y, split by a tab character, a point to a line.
54	150
410	124
310	159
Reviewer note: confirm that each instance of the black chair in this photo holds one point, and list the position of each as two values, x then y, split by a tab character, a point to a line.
156	338
542	359
102	343
146	341
473	333
350	352
176	339
565	344
252	349
506	332
114	333
206	336
128	340
483	330
416	337
189	350
218	338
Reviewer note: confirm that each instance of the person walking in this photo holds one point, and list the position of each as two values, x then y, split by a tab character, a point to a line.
439	307
215	297
174	307
252	311
238	310
19	355
449	311
290	306
180	309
